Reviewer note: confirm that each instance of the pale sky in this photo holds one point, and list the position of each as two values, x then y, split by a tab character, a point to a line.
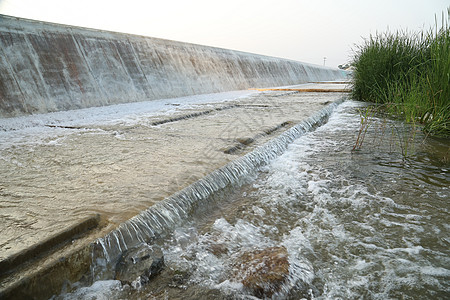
303	30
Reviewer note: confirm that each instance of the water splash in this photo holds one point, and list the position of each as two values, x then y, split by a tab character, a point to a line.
165	215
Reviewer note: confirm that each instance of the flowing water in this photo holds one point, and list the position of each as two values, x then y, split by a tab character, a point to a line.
366	224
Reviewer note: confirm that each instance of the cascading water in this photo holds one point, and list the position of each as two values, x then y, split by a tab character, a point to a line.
164	215
369	224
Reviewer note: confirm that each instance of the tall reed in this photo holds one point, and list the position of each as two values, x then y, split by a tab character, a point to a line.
409	73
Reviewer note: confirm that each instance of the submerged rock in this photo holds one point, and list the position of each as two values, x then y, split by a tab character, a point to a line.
143	261
263	272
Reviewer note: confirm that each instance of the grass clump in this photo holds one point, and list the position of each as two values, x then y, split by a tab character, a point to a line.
409	73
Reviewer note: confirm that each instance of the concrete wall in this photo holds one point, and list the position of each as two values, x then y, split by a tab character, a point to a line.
47	67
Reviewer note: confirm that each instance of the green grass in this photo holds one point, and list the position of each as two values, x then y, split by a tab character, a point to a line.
409	74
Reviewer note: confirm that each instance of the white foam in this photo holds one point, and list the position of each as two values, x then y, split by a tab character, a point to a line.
100	290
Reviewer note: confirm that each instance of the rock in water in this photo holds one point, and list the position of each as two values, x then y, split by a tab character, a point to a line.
263	272
143	260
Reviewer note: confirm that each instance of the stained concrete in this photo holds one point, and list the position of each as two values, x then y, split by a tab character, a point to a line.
47	67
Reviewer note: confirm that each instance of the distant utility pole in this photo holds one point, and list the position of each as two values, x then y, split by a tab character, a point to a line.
324	59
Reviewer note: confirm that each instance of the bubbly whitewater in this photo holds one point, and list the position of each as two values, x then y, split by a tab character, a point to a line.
367	224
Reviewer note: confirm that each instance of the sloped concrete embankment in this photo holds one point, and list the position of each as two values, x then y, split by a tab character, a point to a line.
48	67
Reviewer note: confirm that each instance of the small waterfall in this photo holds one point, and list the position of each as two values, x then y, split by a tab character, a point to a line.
165	215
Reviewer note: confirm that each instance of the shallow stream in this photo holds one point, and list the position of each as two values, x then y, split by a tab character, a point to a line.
365	224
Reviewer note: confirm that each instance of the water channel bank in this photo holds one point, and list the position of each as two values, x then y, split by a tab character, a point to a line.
47	67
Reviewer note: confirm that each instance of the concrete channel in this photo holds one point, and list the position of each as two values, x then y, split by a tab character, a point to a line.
97	126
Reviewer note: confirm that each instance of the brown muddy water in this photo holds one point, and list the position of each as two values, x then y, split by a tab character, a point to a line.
116	161
366	224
